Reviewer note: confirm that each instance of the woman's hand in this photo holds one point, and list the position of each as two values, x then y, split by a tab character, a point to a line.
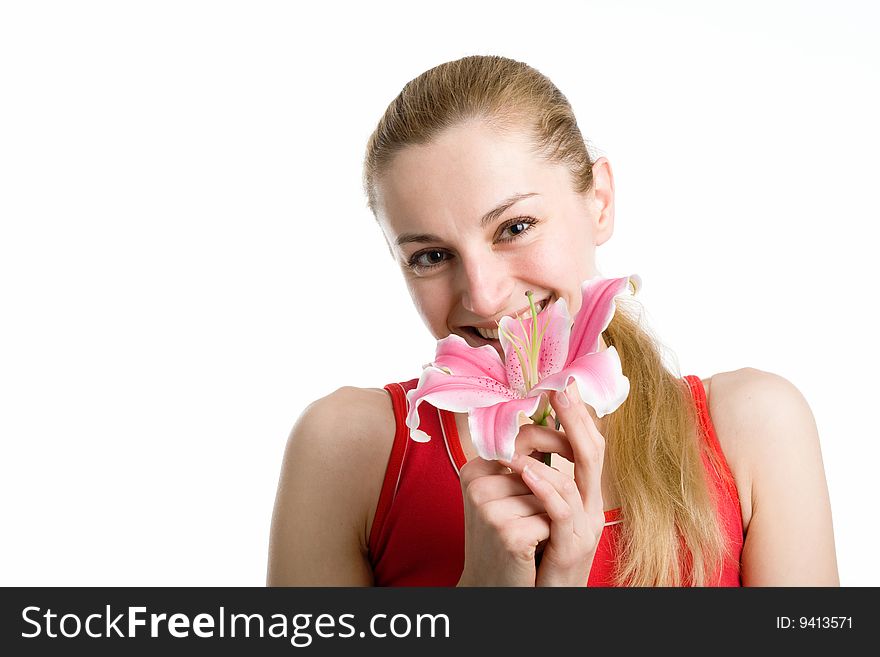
511	508
574	506
503	523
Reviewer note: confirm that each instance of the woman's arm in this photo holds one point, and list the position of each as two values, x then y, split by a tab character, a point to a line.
790	539
331	474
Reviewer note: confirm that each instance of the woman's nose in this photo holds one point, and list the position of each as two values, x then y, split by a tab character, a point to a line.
485	288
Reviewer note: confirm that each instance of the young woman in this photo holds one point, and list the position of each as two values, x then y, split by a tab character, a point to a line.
484	189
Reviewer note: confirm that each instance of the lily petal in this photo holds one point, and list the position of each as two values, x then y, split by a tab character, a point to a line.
494	428
455	354
599	378
554	346
554	324
454	393
596	312
512	365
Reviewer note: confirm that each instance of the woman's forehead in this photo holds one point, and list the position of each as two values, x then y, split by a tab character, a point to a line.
467	171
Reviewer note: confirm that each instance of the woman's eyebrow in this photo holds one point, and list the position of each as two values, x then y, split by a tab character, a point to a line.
493	214
489	217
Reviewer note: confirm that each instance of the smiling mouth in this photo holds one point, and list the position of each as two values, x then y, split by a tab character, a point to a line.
490	336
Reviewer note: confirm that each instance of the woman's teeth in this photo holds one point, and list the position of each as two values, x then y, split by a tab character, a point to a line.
492	334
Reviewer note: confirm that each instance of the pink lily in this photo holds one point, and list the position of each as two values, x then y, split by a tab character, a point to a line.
541	353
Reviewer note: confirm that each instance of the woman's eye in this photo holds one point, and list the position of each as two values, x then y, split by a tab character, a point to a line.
517	227
426	259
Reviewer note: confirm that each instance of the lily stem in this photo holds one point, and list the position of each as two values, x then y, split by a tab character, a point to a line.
540	418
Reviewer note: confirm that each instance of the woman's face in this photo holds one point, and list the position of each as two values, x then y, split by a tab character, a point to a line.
475	219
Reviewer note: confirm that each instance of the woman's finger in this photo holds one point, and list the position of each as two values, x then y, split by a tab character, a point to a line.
487	488
561	513
519	506
560	496
587	444
479	467
544	439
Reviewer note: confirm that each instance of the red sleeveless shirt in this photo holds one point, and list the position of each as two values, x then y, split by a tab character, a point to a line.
417	537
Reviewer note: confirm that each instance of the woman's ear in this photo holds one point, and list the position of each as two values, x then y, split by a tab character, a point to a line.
602	200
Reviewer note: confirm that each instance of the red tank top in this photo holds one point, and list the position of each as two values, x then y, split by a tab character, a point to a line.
417	537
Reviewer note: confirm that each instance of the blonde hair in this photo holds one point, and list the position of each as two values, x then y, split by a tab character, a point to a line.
671	534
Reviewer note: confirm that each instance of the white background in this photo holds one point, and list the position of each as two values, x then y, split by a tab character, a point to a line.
186	257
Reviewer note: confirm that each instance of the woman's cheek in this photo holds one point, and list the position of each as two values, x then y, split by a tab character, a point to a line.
433	310
544	266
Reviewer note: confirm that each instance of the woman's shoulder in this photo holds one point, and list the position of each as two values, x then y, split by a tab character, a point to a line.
760	419
329	485
351	433
351	418
744	403
351	427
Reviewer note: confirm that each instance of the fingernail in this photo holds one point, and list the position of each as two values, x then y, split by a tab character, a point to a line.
562	399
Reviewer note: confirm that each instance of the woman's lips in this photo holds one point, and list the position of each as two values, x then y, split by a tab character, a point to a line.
479	339
474	339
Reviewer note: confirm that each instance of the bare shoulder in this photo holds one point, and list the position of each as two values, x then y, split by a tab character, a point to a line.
753	411
769	437
740	404
329	485
340	433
